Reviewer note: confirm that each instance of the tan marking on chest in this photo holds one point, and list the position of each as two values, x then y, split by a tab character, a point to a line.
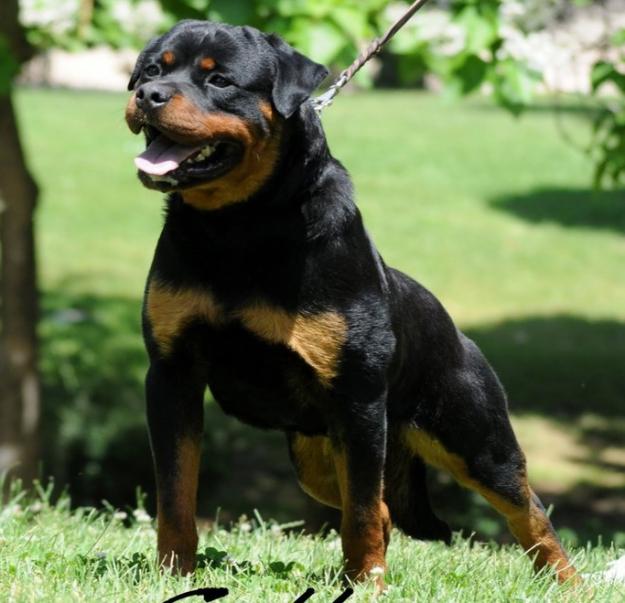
317	338
171	310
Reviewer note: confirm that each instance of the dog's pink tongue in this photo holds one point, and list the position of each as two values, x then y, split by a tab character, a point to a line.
163	155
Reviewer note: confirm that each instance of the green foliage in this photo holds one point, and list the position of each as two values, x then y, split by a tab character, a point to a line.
474	61
104	25
513	84
328	31
608	147
333	32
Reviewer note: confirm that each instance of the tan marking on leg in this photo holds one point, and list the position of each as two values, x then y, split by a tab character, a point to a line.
169	311
387	524
365	532
177	534
317	338
533	529
528	523
316	474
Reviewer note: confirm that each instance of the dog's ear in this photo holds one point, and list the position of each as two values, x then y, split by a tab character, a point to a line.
136	72
295	78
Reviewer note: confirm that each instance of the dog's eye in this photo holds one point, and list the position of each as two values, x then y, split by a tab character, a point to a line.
152	70
219	81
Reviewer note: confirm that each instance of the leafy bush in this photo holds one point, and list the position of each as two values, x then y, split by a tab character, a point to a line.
609	126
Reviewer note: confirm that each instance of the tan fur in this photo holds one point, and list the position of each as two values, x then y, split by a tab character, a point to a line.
184	123
267	110
134	118
259	160
528	523
365	533
315	469
170	311
317	338
177	534
168	58
207	63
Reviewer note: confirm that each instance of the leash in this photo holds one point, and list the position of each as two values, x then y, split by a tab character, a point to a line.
324	100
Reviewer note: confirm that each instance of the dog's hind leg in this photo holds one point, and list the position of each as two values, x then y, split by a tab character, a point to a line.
477	445
406	494
507	490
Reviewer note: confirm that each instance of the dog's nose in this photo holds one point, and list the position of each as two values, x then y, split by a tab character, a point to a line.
153	95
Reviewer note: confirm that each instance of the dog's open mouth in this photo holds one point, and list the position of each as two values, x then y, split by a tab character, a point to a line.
168	164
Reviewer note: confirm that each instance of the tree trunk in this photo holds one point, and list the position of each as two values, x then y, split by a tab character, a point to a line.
19	381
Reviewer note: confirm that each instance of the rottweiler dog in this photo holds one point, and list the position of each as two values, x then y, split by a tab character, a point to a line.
266	288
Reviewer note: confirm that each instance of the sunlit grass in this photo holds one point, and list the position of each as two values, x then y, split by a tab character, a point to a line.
51	554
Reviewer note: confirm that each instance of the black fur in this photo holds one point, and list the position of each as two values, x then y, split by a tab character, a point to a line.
299	244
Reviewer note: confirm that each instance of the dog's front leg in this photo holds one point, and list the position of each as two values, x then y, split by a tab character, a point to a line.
359	451
174	398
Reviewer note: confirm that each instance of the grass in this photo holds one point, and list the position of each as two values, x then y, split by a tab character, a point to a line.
49	553
493	214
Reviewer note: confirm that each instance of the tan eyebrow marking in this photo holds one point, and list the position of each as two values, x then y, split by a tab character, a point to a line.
207	63
168	57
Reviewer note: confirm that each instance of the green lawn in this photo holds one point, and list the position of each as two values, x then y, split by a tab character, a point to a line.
48	554
493	214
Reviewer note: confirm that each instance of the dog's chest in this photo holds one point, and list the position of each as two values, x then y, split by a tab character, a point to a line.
256	350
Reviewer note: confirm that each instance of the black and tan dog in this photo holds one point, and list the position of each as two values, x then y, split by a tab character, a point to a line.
266	287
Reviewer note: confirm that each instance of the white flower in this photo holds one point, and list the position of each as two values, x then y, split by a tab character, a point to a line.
36	507
141	516
245	526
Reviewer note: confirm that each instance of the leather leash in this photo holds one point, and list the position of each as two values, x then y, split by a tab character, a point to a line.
323	100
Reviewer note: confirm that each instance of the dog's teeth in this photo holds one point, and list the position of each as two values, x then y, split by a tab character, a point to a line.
166	179
203	154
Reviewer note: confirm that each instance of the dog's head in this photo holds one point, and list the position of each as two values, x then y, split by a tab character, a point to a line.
212	101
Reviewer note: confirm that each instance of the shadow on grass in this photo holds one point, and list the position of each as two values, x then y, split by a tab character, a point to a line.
559	366
96	443
569	207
